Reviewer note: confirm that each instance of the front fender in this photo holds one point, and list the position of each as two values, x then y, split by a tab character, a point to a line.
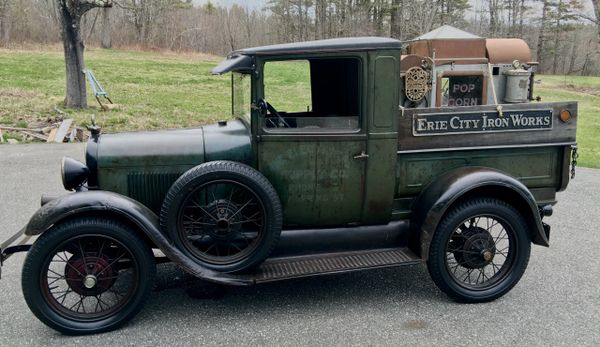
430	207
120	206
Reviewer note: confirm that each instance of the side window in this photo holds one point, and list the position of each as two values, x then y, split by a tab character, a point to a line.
287	85
312	95
463	90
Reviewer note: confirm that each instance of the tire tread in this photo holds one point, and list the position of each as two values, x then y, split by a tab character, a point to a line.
37	253
437	249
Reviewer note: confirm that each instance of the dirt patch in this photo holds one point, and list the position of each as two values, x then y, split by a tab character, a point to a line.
15	93
416	324
584	90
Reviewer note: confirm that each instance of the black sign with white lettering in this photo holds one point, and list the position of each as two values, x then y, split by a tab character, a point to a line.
480	122
465	91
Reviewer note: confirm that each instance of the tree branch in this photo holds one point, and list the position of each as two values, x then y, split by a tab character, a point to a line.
591	19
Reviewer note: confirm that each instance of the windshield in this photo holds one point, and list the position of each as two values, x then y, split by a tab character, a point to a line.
241	95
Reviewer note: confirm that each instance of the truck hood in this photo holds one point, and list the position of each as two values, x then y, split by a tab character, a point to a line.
225	141
143	165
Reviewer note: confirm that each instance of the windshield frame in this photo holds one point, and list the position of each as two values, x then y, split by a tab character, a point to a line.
241	96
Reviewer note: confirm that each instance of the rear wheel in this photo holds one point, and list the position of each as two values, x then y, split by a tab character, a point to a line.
479	251
88	276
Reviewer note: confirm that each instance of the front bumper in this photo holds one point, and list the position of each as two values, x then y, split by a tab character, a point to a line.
15	244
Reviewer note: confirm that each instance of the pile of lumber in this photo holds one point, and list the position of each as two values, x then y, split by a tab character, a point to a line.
60	131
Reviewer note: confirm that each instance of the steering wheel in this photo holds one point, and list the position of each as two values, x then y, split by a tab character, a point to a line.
273	111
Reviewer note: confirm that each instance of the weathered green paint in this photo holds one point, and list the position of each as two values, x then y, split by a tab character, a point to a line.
535	167
318	181
317	177
384	69
144	165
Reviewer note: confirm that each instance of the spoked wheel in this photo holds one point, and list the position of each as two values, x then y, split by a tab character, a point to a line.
224	215
480	251
222	221
88	276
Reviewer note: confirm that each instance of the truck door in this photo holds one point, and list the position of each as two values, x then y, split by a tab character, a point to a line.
311	138
382	146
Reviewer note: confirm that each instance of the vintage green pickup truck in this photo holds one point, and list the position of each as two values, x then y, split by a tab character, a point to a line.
362	158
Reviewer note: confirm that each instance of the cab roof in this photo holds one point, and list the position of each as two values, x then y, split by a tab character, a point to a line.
241	60
335	45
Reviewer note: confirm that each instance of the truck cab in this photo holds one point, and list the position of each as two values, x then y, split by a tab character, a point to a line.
328	137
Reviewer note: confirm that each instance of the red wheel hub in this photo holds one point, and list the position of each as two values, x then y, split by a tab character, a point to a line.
89	276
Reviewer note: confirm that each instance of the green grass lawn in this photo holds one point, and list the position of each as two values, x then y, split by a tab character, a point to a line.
152	90
586	91
169	90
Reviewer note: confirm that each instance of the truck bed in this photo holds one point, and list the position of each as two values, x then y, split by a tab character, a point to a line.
529	142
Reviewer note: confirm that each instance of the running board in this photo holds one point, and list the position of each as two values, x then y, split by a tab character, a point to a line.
277	269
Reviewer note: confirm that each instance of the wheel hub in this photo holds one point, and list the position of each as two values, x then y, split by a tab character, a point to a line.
474	248
227	214
90	275
90	281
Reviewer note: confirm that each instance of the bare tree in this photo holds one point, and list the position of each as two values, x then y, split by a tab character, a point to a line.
69	13
4	22
542	35
563	16
396	14
596	4
106	40
216	29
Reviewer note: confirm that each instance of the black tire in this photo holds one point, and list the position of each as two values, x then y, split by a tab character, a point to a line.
207	216
461	245
111	253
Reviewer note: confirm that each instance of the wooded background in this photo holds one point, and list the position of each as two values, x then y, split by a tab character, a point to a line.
563	34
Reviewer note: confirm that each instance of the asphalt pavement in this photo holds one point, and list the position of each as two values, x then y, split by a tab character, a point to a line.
557	303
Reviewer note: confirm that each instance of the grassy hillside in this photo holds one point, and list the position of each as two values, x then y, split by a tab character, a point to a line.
159	90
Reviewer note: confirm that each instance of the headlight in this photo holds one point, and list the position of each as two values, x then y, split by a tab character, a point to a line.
74	173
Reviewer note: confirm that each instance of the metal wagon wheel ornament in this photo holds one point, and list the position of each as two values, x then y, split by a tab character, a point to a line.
481	252
416	83
89	277
222	221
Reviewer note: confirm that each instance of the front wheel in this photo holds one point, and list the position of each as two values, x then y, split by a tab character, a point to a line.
479	251
88	275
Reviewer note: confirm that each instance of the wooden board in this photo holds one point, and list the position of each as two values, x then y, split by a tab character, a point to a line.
52	135
35	135
63	130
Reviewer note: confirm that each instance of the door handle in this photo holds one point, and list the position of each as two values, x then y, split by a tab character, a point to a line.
361	156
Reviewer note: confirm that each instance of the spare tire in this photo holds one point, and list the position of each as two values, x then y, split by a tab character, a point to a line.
225	215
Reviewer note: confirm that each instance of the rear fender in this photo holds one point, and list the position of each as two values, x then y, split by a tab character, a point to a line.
112	204
466	182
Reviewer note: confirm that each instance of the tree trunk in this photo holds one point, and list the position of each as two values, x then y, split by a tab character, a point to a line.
493	9
557	29
70	13
106	28
318	18
4	23
396	19
521	19
574	55
73	47
542	35
596	4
